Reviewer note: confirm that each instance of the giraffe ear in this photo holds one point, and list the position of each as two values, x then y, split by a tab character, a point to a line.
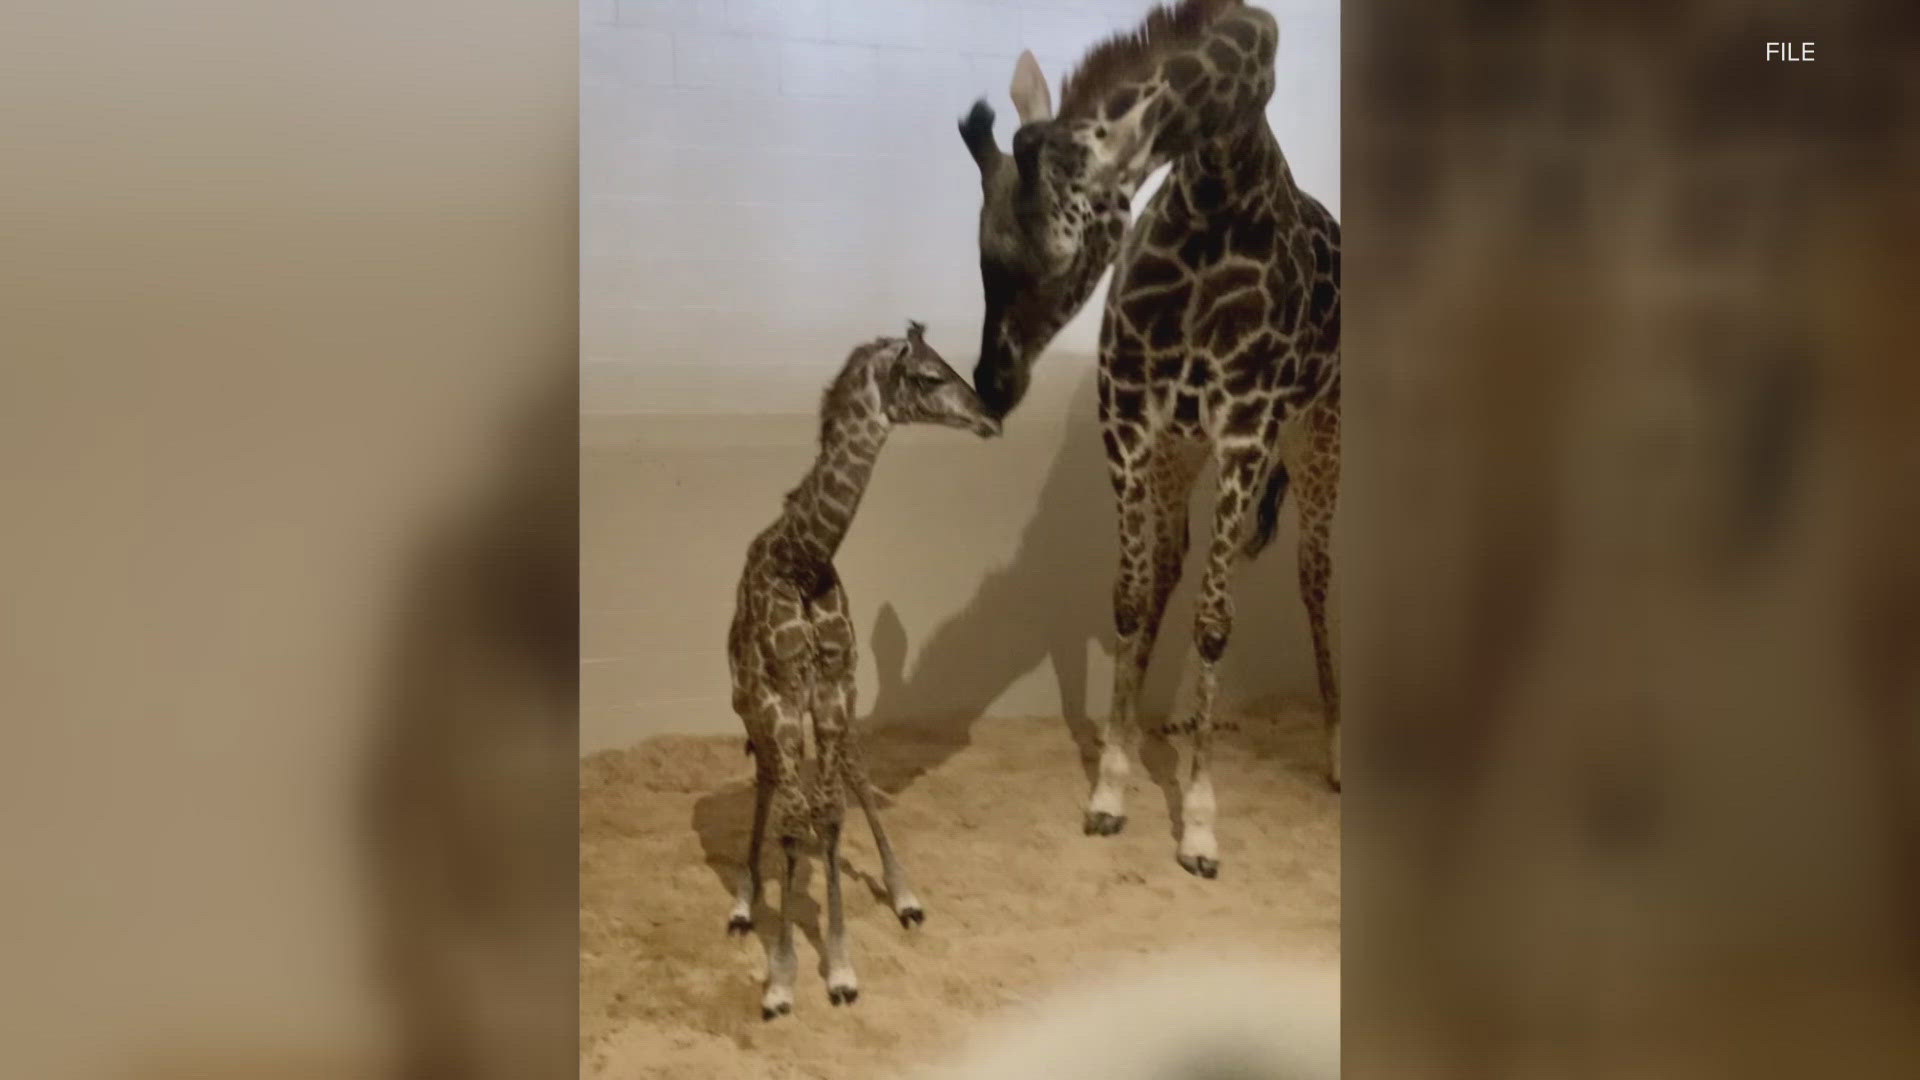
976	130
1031	98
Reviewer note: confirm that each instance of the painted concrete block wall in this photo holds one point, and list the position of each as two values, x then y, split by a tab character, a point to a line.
765	183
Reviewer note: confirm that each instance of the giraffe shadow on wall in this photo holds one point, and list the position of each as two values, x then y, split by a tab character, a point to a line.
1050	605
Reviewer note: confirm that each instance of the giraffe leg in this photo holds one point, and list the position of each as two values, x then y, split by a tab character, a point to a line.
1240	474
1153	545
790	816
778	998
1318	492
843	987
1132	600
835	703
906	906
1171	477
841	982
832	708
1199	851
748	897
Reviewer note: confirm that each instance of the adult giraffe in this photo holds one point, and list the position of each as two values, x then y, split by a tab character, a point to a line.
1222	326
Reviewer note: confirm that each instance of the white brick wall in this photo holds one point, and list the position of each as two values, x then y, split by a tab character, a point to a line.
794	162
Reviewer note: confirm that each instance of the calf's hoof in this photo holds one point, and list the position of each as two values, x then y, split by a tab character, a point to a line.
1101	823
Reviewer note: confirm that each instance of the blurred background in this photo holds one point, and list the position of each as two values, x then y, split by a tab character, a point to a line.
287	393
765	185
1630	495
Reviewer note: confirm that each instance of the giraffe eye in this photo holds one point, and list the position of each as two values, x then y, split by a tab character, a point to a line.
926	379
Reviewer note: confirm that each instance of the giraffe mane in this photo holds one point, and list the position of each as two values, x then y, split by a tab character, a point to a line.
1126	54
851	372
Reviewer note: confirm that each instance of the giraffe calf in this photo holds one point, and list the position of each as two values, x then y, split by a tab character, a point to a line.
792	648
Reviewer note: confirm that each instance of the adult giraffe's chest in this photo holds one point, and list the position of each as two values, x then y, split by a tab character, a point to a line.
1208	323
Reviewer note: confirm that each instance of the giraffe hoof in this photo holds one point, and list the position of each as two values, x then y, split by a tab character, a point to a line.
1200	866
768	1012
843	995
1100	823
910	917
739	925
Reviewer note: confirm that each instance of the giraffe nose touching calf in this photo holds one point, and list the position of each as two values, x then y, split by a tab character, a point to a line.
791	649
999	390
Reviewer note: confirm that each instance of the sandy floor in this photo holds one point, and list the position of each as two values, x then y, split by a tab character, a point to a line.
1017	899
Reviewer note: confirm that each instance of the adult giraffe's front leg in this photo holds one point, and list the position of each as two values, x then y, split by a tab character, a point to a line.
1133	646
1139	599
1241	473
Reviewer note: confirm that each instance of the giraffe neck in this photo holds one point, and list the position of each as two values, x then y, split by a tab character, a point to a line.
1242	163
1199	95
820	510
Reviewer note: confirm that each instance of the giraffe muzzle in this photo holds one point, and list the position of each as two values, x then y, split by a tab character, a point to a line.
1000	389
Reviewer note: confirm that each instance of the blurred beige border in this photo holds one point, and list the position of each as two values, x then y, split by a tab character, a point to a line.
274	279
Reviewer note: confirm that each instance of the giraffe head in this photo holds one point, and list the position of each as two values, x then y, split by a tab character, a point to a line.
1048	229
1053	212
917	386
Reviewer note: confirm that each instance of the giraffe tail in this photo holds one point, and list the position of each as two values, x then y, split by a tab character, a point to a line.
1267	515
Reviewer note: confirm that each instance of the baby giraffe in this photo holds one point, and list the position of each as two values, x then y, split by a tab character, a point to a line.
792	647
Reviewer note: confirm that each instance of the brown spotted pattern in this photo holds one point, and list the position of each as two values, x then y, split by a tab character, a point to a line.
792	647
1221	333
